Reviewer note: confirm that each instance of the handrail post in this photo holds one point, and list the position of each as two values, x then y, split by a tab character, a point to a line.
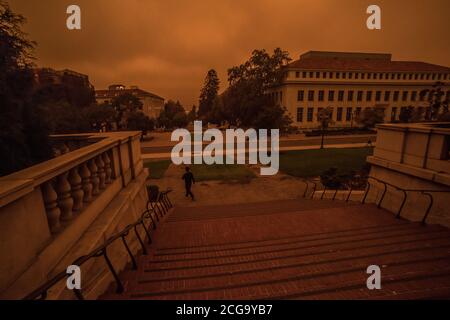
335	193
349	194
405	195
367	192
119	284
382	196
324	189
133	260
430	196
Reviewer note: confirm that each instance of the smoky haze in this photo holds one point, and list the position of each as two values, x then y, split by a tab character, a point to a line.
167	46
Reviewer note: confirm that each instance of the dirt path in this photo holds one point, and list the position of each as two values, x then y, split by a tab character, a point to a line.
262	188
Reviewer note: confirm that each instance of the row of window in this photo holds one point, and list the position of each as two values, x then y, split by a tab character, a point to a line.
350	113
369	95
370	75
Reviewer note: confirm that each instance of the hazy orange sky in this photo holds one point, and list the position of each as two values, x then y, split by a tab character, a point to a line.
167	46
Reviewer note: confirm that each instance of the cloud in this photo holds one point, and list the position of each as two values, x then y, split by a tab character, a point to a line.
167	46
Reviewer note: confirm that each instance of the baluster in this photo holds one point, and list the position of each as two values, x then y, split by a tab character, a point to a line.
64	149
86	183
94	177
101	172
108	169
51	206
65	200
77	191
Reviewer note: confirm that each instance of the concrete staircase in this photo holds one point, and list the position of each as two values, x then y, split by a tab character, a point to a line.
294	249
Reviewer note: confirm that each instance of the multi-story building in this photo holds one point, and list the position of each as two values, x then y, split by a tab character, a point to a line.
152	104
350	82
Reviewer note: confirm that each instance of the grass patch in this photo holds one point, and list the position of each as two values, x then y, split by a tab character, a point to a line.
157	168
312	163
229	172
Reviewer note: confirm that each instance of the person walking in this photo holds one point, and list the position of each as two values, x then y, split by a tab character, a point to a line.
188	178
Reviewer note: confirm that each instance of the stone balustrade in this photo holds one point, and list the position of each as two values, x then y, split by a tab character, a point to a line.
51	209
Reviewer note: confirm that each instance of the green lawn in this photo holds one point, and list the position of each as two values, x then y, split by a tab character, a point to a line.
312	163
203	172
157	168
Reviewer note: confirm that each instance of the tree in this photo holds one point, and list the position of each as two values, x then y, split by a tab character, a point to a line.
369	117
437	99
23	132
325	118
125	104
173	116
406	114
192	115
140	122
246	99
208	94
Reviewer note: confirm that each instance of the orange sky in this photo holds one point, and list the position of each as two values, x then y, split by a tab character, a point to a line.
167	46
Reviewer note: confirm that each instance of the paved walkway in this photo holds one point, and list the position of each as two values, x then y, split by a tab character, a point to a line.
290	249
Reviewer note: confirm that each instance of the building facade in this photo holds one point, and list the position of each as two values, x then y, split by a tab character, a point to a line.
152	104
351	82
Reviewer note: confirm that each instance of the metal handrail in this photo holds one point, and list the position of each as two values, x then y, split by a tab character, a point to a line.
42	292
427	192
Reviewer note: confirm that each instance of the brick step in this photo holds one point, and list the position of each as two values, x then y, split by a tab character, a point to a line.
300	251
253	209
271	240
302	285
303	268
409	285
281	265
283	244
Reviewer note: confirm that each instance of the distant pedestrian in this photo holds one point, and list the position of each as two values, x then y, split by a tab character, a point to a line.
188	178
369	143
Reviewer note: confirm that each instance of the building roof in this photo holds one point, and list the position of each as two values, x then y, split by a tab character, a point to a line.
134	91
349	61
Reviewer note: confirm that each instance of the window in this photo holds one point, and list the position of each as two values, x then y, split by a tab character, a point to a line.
404	76
369	76
375	76
416	76
386	76
299	114
304	74
338	75
392	76
413	95
387	95
331	95
358	112
422	76
311	95
339	114
297	74
399	76
434	76
311	74
331	75
410	76
300	95
348	115
396	93
310	114
324	75
405	96
439	76
317	74
281	96
357	75
363	76
422	95
321	94
359	96
350	95
344	75
369	96
394	114
341	95
350	75
428	76
377	96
